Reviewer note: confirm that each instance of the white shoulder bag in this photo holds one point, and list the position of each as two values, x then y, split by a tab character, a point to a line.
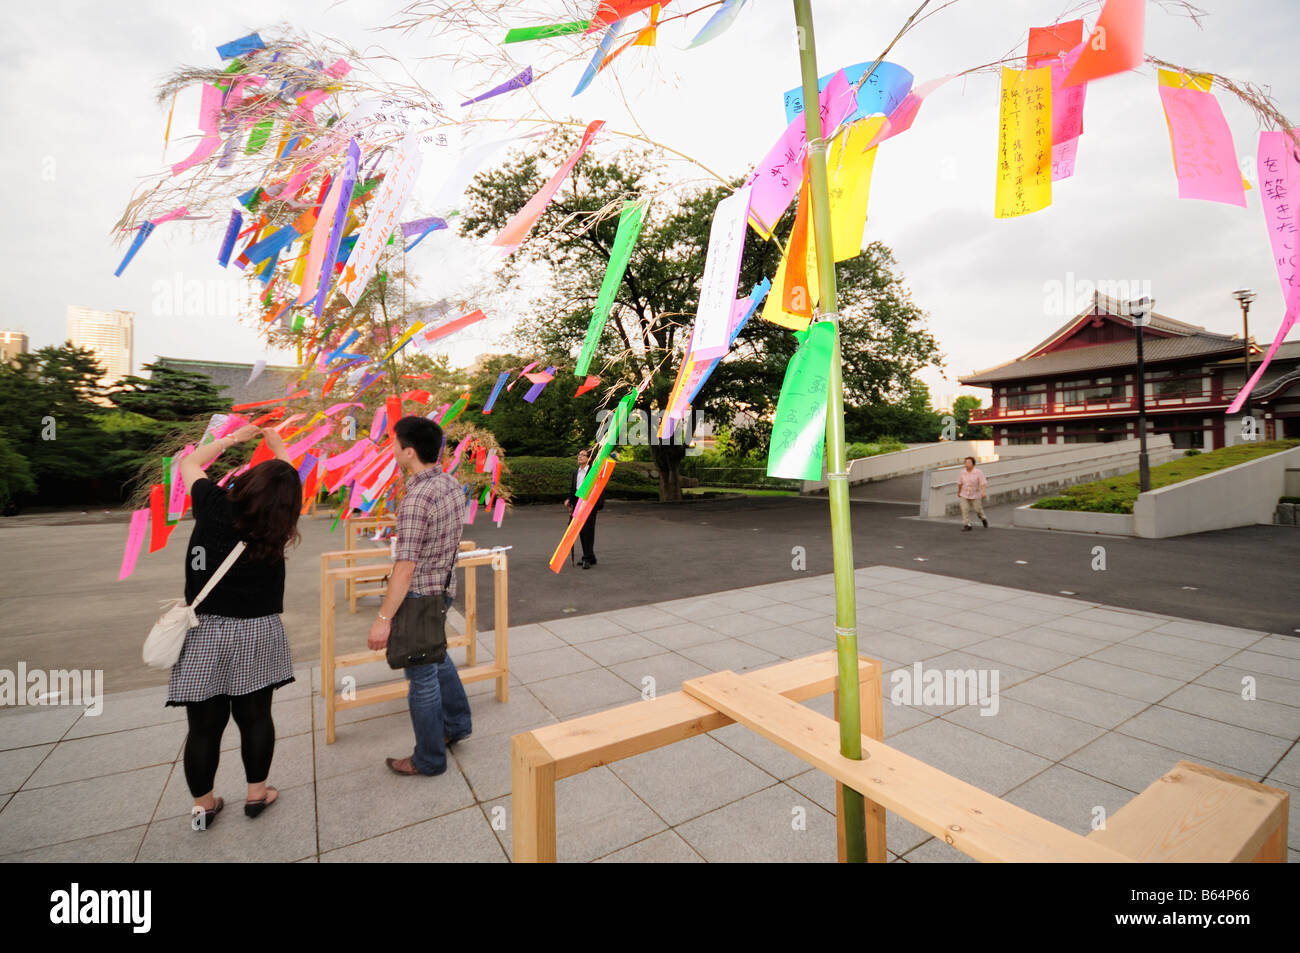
163	646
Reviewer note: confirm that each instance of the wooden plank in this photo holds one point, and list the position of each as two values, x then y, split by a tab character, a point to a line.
532	801
1197	814
327	654
501	621
967	818
372	695
580	744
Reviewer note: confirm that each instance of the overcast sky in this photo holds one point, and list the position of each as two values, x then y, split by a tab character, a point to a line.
83	128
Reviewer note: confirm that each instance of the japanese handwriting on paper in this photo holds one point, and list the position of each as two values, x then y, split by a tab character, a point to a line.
1024	167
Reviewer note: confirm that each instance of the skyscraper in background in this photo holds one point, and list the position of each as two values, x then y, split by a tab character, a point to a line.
12	343
109	334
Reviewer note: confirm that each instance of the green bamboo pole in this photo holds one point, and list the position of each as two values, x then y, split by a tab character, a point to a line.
846	611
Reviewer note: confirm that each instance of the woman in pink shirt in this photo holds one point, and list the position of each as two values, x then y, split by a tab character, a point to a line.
972	487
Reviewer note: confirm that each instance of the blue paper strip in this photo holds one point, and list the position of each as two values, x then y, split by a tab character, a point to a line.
245	44
594	66
271	245
888	86
718	23
145	231
496	392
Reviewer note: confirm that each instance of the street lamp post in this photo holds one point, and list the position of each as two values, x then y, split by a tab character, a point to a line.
1244	297
1139	311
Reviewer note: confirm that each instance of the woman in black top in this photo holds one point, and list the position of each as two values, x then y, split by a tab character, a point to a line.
239	653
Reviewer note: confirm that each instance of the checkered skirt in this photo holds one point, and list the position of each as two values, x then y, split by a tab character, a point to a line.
227	656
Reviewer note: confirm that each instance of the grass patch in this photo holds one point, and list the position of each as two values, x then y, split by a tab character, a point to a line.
858	451
1117	494
731	490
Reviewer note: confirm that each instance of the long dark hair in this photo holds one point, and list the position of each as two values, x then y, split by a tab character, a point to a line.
268	499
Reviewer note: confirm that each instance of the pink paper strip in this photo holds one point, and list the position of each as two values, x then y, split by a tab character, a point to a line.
209	116
499	512
1279	189
473	508
134	537
335	408
320	238
517	229
1206	160
307	442
1288	322
779	175
343	459
377	422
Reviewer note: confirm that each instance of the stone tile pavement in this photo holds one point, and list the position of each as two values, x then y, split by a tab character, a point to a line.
1094	703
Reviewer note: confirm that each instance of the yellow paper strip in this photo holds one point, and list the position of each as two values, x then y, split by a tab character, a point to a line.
1024	172
849	168
409	333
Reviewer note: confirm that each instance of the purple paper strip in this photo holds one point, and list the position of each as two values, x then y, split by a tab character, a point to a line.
535	391
228	243
519	82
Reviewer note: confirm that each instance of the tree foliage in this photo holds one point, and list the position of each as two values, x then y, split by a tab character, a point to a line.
883	341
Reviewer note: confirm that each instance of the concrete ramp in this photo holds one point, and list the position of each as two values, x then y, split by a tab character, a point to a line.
1026	477
917	459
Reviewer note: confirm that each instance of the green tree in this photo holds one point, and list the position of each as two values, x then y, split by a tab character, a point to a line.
884	342
910	419
962	408
49	417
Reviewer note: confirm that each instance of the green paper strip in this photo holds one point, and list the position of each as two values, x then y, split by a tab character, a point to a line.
799	429
617	423
525	33
258	135
629	229
455	412
300	320
167	489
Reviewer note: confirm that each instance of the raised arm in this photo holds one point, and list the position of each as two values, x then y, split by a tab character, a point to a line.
276	443
192	464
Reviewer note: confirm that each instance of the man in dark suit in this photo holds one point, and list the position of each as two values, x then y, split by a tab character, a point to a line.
588	532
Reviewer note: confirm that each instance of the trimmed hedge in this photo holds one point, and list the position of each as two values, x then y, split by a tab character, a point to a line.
858	451
1118	494
548	479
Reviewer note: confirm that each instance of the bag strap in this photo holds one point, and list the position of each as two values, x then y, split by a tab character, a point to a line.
221	571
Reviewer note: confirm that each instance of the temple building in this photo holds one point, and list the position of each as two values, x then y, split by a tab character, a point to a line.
1080	385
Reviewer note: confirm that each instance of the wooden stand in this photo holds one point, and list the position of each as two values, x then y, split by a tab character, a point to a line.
1192	814
353	571
353	530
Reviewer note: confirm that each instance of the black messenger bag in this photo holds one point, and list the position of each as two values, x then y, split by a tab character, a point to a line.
419	631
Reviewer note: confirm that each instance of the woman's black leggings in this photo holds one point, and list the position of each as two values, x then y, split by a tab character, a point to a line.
207	724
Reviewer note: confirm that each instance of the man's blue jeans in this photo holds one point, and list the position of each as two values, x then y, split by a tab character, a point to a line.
439	709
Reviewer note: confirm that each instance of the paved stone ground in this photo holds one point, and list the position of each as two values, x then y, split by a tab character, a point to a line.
64	608
1096	703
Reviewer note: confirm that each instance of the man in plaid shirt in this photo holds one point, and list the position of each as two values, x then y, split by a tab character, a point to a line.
430	520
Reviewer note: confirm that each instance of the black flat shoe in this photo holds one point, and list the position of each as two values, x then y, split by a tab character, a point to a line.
985	522
208	816
255	808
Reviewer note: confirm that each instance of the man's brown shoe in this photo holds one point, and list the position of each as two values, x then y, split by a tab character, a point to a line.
401	766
